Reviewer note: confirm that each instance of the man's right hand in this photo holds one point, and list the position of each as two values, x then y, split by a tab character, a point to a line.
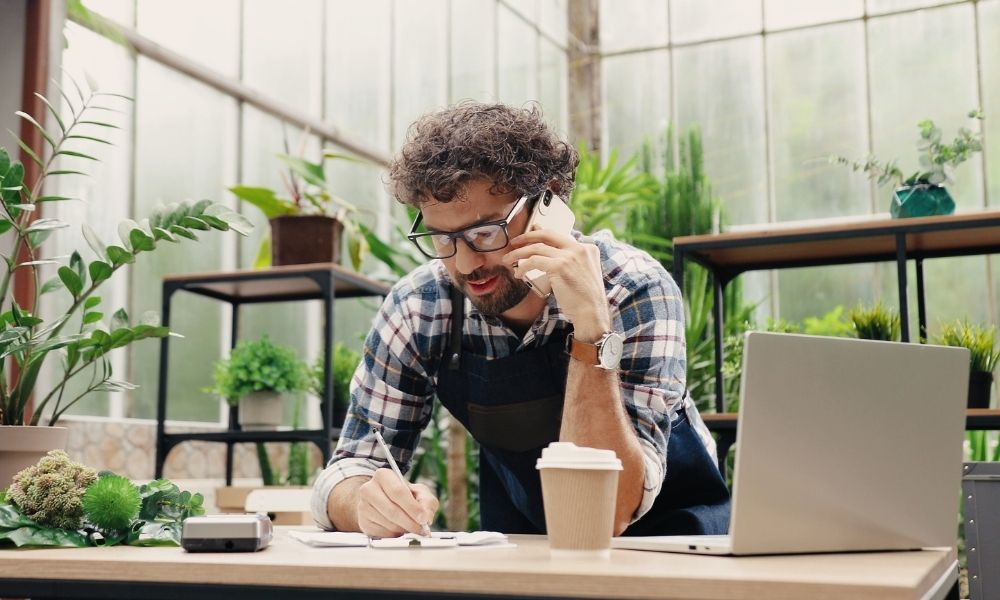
388	507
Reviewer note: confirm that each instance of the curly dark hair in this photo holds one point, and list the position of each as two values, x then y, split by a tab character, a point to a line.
511	147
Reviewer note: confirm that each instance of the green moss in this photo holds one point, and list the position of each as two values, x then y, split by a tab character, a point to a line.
112	503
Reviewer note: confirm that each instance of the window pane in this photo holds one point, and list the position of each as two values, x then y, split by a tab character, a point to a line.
720	88
816	107
185	149
553	19
517	53
693	20
282	51
989	54
552	77
876	7
358	63
420	68
527	9
939	46
635	99
206	32
473	49
633	24
780	14
813	292
122	11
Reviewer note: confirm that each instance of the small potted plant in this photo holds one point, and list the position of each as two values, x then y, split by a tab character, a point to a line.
345	362
923	193
875	323
254	378
309	220
983	354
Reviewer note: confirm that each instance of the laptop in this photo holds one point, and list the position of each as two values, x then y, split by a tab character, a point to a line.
842	445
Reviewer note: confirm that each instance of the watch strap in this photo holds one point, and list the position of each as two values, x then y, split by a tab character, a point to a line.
582	351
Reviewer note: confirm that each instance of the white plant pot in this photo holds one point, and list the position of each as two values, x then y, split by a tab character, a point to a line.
260	410
23	446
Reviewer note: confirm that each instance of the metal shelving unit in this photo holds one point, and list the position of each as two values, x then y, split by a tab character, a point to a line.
841	242
323	281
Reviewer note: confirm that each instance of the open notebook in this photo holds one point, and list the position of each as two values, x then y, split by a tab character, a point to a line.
438	539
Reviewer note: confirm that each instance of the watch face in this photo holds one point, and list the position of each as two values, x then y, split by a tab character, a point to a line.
611	350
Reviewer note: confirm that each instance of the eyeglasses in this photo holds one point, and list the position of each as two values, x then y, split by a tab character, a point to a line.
484	237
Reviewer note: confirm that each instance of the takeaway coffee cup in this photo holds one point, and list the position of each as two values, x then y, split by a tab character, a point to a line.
579	489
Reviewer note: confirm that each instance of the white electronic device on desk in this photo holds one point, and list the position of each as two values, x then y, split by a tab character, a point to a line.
842	445
227	533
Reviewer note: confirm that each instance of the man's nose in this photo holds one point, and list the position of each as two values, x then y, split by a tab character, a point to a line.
467	260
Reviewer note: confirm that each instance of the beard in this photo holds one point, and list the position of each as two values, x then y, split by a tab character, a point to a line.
507	294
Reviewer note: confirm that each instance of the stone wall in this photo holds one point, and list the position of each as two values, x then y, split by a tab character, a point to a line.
128	447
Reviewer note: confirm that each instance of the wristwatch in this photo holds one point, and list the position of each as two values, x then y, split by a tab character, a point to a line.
606	353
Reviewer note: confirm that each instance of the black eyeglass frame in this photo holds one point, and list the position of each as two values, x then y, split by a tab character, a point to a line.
454	236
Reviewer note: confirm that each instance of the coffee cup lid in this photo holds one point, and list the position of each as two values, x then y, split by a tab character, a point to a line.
567	455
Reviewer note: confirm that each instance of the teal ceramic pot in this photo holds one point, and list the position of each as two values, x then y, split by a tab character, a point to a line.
921	200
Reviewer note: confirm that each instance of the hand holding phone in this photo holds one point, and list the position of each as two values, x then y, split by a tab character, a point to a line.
551	213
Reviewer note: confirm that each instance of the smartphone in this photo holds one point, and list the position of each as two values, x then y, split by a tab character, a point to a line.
552	214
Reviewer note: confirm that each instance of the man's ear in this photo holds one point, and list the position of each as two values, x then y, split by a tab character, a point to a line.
555	187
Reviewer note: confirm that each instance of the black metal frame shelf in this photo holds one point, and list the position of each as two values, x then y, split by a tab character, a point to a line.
324	281
785	246
731	254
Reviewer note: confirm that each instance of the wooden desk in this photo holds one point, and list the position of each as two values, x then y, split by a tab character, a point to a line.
298	571
836	242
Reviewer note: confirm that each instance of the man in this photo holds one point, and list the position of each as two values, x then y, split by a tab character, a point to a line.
600	362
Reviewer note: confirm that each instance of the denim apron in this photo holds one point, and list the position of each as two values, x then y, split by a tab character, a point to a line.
513	407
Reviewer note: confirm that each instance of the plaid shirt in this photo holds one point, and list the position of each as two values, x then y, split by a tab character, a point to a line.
394	385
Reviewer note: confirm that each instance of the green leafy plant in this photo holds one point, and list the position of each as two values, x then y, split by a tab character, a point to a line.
604	193
28	339
980	340
307	192
51	492
345	362
260	365
68	504
683	203
875	323
937	159
297	472
112	502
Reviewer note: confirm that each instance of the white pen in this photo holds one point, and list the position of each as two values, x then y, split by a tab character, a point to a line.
392	464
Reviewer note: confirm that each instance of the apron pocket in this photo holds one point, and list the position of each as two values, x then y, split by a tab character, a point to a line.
518	427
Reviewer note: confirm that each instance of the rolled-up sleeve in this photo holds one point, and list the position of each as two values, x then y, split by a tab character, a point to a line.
390	389
652	370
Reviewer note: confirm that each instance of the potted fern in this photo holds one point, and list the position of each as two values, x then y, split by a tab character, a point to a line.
254	378
983	353
923	193
79	338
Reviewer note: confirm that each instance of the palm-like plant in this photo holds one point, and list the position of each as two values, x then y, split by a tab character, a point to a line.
28	339
684	204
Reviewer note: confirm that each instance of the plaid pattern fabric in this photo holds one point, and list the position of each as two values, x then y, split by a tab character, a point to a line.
394	385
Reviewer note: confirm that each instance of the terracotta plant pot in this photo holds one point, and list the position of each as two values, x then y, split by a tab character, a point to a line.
23	446
260	410
298	240
980	384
